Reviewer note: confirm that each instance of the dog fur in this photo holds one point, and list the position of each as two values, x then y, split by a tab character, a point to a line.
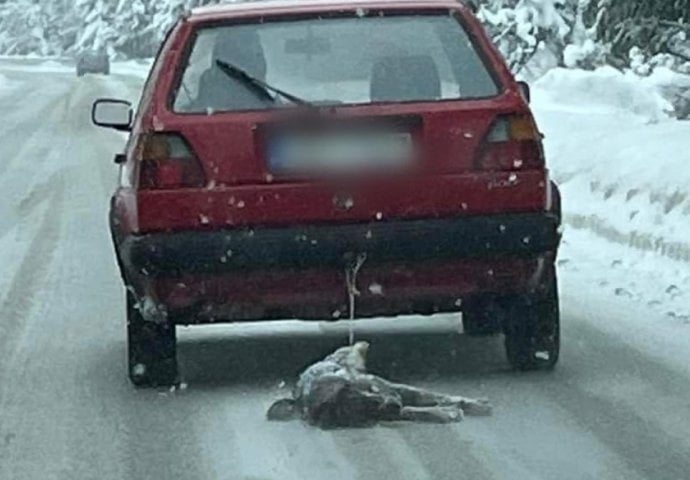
339	392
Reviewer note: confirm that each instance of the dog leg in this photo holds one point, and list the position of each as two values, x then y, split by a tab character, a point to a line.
473	406
436	414
417	397
412	396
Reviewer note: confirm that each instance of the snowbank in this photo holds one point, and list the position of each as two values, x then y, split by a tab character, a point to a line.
135	68
605	90
621	162
53	66
624	170
6	84
36	65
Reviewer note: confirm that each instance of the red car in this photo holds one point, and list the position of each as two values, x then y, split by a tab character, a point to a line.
328	159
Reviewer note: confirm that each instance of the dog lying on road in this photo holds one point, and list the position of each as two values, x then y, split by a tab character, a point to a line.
338	392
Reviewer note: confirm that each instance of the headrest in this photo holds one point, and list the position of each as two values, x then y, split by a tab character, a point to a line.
241	46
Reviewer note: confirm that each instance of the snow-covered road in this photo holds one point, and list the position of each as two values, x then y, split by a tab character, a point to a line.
617	407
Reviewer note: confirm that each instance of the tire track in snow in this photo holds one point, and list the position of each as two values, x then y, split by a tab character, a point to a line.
647	431
22	134
383	451
32	270
23	176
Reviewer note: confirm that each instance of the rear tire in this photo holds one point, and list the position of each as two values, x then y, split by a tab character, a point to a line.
151	350
532	330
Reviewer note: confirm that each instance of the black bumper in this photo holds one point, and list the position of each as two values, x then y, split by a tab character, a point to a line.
324	246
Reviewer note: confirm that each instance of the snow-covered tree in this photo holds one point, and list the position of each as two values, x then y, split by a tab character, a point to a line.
642	30
96	29
521	28
34	27
125	28
571	33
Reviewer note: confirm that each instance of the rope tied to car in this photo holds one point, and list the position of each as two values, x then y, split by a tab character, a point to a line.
352	268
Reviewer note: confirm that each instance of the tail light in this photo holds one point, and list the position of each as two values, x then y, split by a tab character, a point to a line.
167	161
513	143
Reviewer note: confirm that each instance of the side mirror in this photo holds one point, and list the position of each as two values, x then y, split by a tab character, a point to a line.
525	91
110	113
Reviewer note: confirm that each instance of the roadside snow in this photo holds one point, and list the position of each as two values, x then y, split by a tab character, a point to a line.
135	68
621	162
622	165
15	240
639	297
5	84
604	91
36	65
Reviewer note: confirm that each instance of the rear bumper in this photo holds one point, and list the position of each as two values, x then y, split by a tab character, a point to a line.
301	247
418	266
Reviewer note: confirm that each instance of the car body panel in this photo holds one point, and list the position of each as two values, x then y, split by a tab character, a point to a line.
243	195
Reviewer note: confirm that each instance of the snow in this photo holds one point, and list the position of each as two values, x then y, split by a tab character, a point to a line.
38	66
639	297
605	90
620	161
625	317
133	68
13	246
4	84
136	68
622	166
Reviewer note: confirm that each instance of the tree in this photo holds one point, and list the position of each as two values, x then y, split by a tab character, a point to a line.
574	33
645	27
520	28
126	28
30	27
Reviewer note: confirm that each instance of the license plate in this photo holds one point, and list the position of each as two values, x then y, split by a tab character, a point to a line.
340	152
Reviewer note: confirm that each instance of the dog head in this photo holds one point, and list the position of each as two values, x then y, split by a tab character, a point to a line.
351	357
357	358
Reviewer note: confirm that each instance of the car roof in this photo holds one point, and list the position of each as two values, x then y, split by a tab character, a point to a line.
277	7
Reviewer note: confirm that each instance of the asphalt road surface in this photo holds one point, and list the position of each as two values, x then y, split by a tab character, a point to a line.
67	411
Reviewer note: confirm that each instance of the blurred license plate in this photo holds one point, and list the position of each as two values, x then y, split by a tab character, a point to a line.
340	152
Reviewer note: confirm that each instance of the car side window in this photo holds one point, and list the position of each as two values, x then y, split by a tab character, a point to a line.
199	61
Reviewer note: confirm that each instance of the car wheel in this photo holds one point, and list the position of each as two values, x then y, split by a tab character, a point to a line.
532	329
151	349
481	317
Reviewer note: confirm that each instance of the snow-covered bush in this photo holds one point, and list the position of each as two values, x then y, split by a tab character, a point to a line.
604	90
523	28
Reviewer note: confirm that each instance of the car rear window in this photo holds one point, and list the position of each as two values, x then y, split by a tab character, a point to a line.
341	60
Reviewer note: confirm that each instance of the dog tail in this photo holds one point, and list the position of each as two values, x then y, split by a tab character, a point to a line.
282	410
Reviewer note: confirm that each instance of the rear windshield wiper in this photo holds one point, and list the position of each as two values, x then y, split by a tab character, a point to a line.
261	88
